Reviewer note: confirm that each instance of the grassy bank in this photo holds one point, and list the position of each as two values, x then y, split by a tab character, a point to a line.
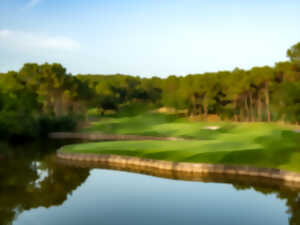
258	144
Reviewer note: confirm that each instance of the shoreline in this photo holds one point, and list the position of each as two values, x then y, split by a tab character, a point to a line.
180	169
246	181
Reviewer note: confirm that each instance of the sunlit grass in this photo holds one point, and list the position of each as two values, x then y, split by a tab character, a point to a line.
257	144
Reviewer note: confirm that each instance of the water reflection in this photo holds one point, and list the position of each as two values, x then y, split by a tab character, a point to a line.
292	198
31	177
290	192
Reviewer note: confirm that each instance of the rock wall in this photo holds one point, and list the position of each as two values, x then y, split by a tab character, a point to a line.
193	169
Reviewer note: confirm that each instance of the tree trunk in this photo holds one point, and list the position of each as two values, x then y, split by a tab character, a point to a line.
247	108
198	106
267	102
205	107
259	107
235	110
251	107
58	106
194	105
200	109
283	115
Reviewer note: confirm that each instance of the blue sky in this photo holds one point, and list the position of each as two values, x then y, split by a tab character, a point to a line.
147	37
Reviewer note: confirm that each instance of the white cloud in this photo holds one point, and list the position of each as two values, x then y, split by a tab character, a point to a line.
28	41
32	3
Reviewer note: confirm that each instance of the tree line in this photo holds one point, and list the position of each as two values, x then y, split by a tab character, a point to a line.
42	98
259	94
39	99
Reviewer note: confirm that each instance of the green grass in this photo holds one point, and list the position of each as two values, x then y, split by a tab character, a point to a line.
155	124
257	144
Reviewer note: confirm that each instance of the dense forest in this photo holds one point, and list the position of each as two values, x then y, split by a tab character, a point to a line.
42	98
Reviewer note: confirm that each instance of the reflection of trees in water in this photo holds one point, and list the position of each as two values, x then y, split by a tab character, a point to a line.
292	199
31	179
293	204
28	182
290	192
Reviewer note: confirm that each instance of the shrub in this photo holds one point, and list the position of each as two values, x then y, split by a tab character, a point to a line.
13	124
49	124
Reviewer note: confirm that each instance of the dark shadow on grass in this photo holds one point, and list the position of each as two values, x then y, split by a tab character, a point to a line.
105	128
165	155
152	133
276	149
255	157
120	152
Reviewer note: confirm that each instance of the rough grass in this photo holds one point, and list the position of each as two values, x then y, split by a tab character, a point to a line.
257	144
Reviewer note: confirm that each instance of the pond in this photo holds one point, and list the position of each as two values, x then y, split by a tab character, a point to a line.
36	189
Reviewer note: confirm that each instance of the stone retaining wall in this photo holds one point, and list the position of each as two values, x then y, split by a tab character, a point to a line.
107	137
245	181
193	169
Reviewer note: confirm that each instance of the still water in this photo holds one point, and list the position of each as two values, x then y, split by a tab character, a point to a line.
35	189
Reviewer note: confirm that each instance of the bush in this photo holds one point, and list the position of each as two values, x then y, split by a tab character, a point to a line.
49	124
13	124
17	126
